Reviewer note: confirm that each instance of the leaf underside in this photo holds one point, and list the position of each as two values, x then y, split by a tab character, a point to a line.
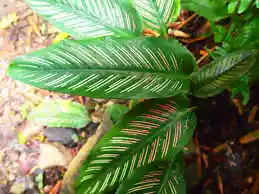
114	68
155	130
156	178
91	18
222	73
60	113
157	14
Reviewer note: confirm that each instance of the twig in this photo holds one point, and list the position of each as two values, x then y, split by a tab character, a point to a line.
219	148
198	158
205	160
197	39
252	114
220	184
206	55
186	21
178	33
239	105
250	137
255	188
56	188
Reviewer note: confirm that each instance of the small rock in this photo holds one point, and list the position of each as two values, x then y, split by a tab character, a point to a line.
17	188
21	185
31	191
61	135
54	154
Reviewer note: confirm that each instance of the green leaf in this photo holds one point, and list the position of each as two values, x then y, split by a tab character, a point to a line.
212	10
158	178
219	32
116	111
222	73
114	68
244	4
241	86
257	3
248	37
90	19
157	14
60	113
253	73
155	130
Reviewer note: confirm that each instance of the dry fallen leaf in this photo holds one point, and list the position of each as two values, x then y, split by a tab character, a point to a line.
61	36
27	130
53	154
8	20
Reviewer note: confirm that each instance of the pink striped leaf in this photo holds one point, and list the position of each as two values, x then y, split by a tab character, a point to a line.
155	130
156	178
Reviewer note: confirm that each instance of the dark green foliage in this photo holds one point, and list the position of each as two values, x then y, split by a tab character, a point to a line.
241	87
212	10
222	72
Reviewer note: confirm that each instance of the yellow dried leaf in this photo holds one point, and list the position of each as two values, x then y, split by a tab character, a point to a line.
61	36
8	20
32	23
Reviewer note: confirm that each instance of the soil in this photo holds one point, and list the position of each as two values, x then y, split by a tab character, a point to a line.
221	125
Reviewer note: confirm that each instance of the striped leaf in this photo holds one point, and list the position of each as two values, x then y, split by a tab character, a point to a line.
156	14
91	18
115	68
156	178
222	73
153	131
60	113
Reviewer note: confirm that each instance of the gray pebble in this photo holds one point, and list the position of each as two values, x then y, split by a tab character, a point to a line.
61	135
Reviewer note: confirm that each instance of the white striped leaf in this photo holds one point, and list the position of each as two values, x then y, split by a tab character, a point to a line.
156	14
115	68
91	18
153	131
222	73
156	178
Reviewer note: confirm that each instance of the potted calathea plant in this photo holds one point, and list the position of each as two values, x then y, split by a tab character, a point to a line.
111	58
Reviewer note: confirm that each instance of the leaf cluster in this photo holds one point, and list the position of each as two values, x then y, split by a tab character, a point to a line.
111	58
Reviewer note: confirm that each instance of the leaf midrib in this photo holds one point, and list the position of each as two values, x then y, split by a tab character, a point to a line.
104	70
161	23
